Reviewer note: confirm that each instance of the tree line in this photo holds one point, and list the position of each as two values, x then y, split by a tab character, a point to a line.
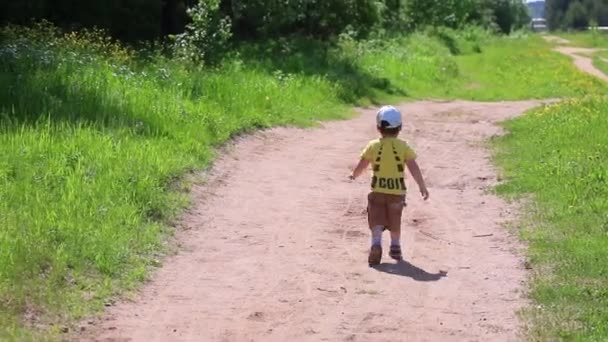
576	14
135	20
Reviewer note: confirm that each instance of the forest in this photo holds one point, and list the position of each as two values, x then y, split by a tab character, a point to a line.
576	14
135	20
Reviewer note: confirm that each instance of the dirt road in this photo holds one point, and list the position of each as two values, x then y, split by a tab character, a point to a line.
580	56
275	248
582	62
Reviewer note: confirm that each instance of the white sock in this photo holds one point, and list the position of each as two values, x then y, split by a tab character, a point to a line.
377	235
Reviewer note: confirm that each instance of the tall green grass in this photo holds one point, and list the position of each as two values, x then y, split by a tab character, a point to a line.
555	157
523	69
91	146
589	39
600	61
512	68
559	155
439	64
593	39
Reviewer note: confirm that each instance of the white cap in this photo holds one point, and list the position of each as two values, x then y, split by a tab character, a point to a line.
388	117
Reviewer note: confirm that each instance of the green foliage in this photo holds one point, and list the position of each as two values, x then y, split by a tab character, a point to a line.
591	39
450	13
558	154
129	20
263	18
555	11
508	69
519	68
206	37
501	15
601	62
576	14
134	20
509	14
92	145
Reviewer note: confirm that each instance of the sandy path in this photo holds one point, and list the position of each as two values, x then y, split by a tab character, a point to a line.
556	40
584	63
580	57
276	247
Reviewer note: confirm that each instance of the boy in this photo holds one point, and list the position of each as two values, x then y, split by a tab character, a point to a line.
386	201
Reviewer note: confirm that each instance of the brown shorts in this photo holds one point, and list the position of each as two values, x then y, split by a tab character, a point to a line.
385	210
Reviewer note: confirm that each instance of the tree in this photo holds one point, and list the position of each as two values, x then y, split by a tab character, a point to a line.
597	11
319	18
206	36
449	13
134	20
503	15
577	16
564	14
555	11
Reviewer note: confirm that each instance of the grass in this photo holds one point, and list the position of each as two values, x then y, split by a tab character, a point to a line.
596	40
91	147
507	69
560	156
511	71
600	61
557	154
95	140
586	39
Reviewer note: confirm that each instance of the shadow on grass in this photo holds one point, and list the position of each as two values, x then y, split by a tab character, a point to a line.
314	58
30	97
34	88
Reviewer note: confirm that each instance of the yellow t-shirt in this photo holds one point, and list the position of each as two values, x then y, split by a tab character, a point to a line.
387	157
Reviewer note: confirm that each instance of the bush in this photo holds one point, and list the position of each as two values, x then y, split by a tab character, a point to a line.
207	35
135	20
128	20
321	19
576	16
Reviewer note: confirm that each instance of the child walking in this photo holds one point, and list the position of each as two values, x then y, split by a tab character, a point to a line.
388	155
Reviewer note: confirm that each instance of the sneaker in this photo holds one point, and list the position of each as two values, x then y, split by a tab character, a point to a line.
375	255
395	253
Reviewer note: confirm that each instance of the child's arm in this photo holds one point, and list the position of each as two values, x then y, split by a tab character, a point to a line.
363	164
415	171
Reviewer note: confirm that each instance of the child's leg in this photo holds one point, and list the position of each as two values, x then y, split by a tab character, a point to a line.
376	216
395	212
377	220
396	237
377	235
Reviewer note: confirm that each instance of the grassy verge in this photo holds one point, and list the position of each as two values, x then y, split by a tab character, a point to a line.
587	39
94	138
507	69
91	145
600	61
559	155
523	69
596	40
